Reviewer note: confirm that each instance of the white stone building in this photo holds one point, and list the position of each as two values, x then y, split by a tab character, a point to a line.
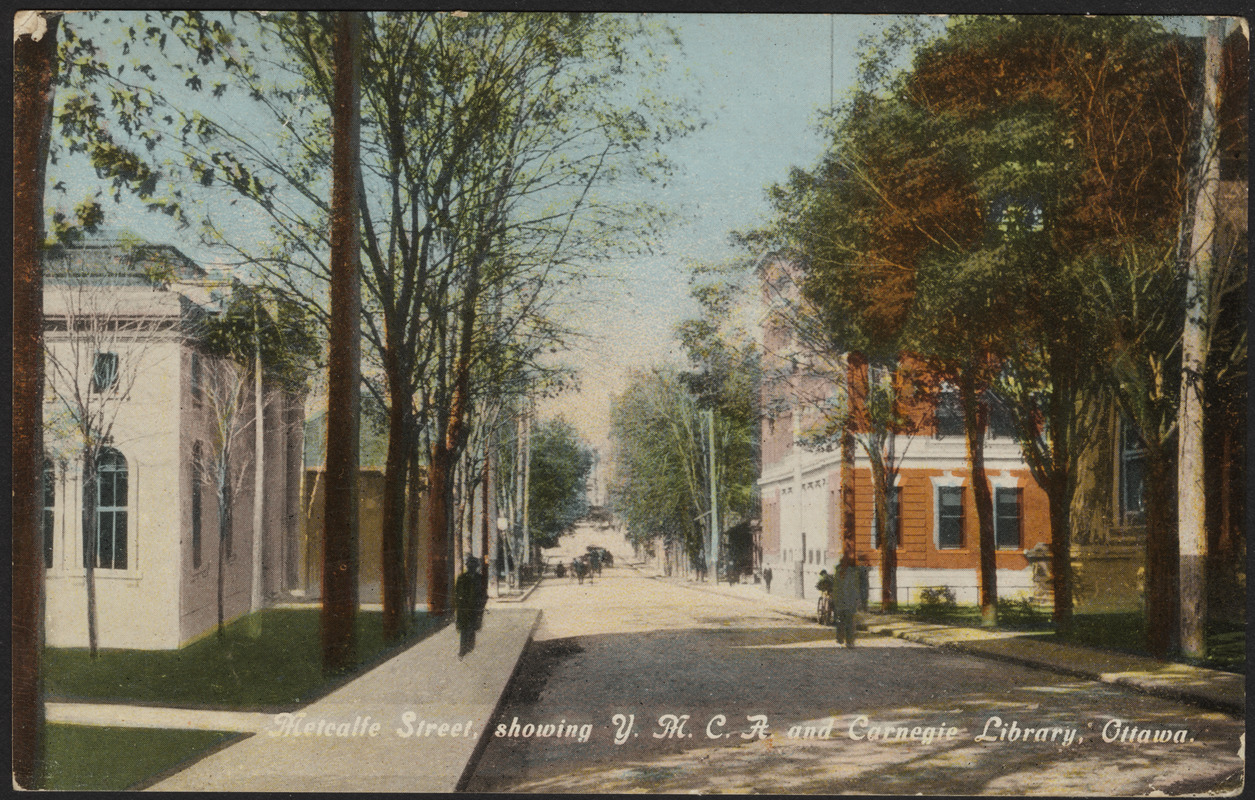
120	333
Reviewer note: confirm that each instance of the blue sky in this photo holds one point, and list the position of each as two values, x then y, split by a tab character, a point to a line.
760	81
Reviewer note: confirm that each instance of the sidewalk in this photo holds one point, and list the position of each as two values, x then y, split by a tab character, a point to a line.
412	724
1208	688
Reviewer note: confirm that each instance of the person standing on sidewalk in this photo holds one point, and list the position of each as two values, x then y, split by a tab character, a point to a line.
845	599
767	579
468	604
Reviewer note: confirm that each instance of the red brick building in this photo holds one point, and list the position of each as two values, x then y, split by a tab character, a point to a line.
810	496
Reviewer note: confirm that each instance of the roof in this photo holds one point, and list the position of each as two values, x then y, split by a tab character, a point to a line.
118	259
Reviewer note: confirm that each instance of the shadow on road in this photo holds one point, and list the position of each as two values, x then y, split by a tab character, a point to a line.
722	678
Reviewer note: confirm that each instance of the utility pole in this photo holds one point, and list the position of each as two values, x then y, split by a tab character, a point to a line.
714	499
1191	506
339	572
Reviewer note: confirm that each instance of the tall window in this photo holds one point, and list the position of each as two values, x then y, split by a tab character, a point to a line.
197	475
893	524
1132	474
949	517
104	371
1000	420
194	377
949	415
1007	517
50	509
111	519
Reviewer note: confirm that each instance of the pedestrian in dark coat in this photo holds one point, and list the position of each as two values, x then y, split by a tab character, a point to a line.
468	605
767	578
845	599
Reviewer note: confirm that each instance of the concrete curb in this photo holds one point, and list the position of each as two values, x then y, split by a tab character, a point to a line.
522	597
469	768
1211	700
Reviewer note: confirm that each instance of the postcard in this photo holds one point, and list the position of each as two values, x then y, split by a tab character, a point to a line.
537	402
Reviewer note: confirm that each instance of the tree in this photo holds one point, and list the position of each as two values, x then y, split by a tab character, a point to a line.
476	130
34	75
340	517
840	298
982	205
725	376
559	471
660	487
226	392
1080	160
277	345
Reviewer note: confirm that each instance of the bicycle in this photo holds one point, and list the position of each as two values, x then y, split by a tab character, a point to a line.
824	613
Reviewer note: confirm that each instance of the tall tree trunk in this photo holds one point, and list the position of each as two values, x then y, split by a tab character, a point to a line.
340	537
437	531
462	502
1192	518
224	534
848	546
439	567
1060	483
91	542
975	422
396	465
34	69
257	595
1161	553
1060	554
483	542
413	535
887	539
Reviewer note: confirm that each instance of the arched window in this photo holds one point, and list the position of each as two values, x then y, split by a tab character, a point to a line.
111	520
50	509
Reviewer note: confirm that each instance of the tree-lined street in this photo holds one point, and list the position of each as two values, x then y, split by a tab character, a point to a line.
437	295
633	644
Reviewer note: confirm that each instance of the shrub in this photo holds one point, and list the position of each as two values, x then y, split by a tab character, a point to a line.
1019	611
935	601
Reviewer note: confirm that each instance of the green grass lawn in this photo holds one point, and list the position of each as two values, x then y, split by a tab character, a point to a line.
82	757
271	659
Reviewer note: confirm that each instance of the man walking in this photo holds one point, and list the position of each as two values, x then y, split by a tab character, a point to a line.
845	599
468	602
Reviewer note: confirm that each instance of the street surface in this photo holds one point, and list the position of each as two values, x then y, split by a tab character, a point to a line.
613	657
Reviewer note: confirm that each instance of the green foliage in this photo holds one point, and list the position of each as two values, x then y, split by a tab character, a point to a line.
267	322
1020	612
724	375
660	488
560	463
936	602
